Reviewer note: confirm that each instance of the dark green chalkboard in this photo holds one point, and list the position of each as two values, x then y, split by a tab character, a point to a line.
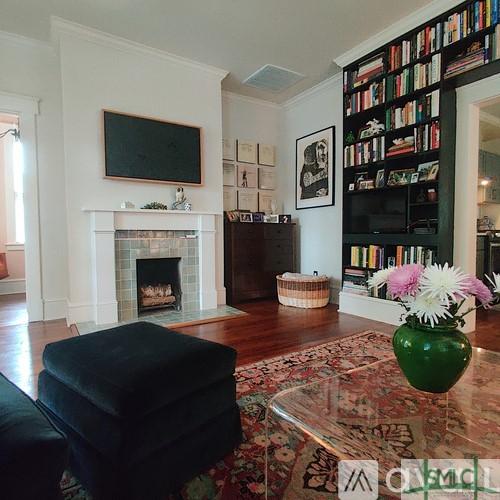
146	149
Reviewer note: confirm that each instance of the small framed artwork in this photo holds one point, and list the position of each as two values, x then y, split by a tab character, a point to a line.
380	179
399	177
247	200
246	151
228	149
229	174
266	155
424	169
233	216
247	176
314	169
367	184
266	202
391	261
285	219
351	186
246	217
433	172
272	219
359	177
258	216
414	177
267	178
229	199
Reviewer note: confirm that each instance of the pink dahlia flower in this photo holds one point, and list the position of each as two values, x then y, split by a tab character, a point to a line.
404	281
476	287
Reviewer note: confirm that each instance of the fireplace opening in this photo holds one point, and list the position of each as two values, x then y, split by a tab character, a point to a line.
158	284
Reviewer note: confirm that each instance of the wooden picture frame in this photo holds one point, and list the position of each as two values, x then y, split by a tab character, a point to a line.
267	178
246	152
314	169
228	149
266	155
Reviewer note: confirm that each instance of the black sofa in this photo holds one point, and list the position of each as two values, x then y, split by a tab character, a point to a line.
33	452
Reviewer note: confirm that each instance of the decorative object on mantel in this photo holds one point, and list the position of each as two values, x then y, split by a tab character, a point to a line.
180	200
155	205
303	290
432	353
127	204
187	207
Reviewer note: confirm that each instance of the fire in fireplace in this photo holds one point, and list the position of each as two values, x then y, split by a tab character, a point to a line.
158	284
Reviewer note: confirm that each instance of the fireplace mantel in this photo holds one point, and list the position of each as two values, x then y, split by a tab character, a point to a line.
104	223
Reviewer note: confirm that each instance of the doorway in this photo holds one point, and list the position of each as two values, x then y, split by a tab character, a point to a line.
475	181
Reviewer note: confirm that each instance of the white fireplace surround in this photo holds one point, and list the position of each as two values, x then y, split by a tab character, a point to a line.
105	222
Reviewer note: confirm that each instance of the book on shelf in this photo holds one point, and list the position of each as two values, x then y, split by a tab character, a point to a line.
413	112
476	55
364	152
356	281
415	255
427	137
366	71
476	16
367	257
365	99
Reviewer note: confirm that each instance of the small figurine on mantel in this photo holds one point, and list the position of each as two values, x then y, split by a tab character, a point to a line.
181	202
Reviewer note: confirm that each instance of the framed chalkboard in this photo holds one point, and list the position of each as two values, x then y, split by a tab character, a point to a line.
145	149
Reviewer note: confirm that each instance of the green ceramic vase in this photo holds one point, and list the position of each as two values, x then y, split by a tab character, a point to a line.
432	359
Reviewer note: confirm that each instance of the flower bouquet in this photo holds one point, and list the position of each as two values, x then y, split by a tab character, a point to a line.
431	351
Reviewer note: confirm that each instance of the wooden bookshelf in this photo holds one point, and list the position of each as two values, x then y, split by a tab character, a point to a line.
364	209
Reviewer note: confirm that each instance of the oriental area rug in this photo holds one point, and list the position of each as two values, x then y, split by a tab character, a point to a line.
302	469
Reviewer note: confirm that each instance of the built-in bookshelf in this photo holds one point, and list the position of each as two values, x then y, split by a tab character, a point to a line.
399	142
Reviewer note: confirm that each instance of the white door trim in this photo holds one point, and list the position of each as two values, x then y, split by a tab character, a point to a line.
470	99
27	109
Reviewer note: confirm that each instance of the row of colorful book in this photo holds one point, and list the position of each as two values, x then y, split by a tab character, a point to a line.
427	137
413	112
356	281
367	70
359	101
421	44
414	255
475	17
371	257
364	152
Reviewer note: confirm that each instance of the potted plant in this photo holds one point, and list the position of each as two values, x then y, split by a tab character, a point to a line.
431	351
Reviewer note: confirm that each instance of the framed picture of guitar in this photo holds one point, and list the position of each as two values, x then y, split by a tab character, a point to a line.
314	169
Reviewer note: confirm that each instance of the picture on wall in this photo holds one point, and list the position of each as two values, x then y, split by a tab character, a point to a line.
229	174
246	151
267	178
247	176
228	149
229	199
247	200
314	163
267	155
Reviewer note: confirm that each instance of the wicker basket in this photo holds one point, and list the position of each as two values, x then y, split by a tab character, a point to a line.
305	293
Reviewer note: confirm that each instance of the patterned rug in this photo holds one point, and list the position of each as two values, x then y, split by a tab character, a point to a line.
309	474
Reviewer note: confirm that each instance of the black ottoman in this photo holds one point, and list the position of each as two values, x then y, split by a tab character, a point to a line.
145	409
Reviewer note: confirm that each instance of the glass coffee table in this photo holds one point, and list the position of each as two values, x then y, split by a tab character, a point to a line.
372	413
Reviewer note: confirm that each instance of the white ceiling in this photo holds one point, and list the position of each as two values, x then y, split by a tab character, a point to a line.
239	36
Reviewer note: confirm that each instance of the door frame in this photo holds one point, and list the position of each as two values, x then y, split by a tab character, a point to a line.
470	99
27	108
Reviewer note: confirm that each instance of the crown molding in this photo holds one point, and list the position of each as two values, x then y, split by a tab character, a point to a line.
420	16
7	36
17	103
61	26
233	96
310	92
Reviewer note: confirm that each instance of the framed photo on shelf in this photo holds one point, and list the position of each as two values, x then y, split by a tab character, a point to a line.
267	178
380	179
424	170
233	216
228	149
367	184
229	174
359	177
258	216
247	176
247	200
272	219
314	169
352	186
433	172
266	155
285	219
246	151
400	177
229	199
246	217
414	177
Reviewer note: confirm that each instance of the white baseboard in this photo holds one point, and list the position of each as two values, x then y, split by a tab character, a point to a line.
8	287
79	313
385	311
54	309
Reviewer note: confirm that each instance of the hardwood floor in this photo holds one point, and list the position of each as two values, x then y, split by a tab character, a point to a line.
268	330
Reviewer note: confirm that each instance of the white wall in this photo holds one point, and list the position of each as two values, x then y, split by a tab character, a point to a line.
31	68
98	76
320	229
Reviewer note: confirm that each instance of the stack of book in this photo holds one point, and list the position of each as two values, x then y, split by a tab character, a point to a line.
475	17
426	74
475	56
423	43
371	257
427	137
367	70
413	112
359	101
402	147
364	152
355	281
414	255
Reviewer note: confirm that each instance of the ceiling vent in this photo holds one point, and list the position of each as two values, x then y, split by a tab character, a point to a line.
273	78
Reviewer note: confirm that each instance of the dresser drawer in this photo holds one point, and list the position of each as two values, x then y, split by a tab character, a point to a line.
278	247
278	263
278	231
247	231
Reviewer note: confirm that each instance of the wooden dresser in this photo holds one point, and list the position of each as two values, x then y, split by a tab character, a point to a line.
253	255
